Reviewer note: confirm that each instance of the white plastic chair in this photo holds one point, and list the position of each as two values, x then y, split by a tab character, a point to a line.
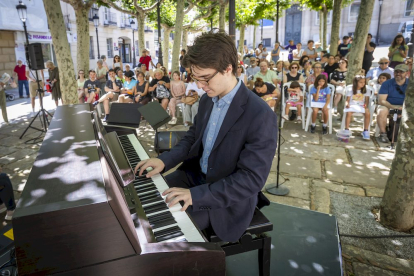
371	107
310	110
303	87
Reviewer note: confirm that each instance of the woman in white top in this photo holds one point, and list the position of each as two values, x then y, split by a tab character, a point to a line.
81	82
118	62
298	53
241	74
265	53
190	111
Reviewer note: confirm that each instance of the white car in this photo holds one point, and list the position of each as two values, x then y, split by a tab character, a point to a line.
405	29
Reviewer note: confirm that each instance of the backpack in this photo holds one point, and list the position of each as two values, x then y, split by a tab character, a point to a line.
162	92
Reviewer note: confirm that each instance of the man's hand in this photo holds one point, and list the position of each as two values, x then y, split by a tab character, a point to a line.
156	164
174	195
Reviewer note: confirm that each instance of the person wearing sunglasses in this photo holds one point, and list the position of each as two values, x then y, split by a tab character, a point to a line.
118	63
293	74
227	153
391	96
383	67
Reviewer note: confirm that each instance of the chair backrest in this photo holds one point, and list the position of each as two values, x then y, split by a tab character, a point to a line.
368	87
287	85
330	86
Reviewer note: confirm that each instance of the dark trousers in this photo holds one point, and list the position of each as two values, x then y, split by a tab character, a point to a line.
24	83
182	179
6	192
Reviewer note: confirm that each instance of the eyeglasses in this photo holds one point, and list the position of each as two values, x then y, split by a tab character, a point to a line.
203	82
341	62
382	63
318	67
294	67
238	66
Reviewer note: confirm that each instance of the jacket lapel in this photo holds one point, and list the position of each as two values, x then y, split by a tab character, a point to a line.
205	117
233	113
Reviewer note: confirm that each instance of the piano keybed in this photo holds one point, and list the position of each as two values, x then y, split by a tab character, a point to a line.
169	224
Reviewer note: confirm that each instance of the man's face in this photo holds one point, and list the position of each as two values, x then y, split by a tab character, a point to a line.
263	67
92	75
127	68
346	40
215	85
144	53
19	62
369	38
291	42
253	62
310	45
143	67
399	75
111	74
383	64
331	60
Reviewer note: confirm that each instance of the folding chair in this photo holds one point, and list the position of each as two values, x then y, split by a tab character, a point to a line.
287	85
310	110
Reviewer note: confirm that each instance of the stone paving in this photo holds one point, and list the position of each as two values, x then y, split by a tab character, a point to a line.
312	166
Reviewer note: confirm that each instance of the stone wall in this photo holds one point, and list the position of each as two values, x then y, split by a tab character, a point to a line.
7	53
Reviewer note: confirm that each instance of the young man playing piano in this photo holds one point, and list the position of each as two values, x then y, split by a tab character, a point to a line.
227	153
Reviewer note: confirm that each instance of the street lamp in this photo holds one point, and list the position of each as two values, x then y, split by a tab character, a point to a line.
120	42
379	20
159	34
96	24
132	22
22	11
277	22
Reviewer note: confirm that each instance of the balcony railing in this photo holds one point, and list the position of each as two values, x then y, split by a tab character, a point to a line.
109	18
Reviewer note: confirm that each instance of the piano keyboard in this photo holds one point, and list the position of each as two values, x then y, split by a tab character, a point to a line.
169	224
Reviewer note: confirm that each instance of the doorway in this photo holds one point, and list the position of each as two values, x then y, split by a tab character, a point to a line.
293	24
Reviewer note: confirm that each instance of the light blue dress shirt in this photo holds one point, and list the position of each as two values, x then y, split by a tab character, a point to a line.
220	108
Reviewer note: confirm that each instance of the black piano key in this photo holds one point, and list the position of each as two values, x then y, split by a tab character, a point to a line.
159	217
149	195
163	223
171	236
145	189
166	231
151	200
142	181
155	208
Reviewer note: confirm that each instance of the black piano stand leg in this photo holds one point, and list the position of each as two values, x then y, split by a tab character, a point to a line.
264	256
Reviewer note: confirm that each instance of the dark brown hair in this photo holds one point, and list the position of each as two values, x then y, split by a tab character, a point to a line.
295	84
355	85
321	77
142	74
212	50
294	63
394	42
259	82
388	76
175	72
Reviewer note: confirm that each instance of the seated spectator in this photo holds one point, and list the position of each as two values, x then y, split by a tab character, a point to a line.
317	70
338	79
279	66
293	74
321	95
374	73
302	62
331	66
240	73
127	68
177	92
357	100
265	74
267	91
91	88
112	88
307	69
324	60
391	96
253	68
129	89
318	49
298	52
119	75
272	65
160	86
343	47
190	111
265	53
286	65
6	196
143	96
310	51
397	51
165	71
81	83
158	65
337	58
295	99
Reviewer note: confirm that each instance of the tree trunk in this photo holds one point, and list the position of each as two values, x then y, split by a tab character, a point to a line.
241	40
141	31
82	30
320	26
222	15
179	19
336	20
397	205
63	55
185	39
254	37
358	45
165	46
325	27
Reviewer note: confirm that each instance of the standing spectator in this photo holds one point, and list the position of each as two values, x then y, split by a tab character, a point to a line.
54	81
6	195
290	48
129	89
267	91
343	47
265	53
397	51
146	59
143	96
160	86
112	88
91	88
368	54
101	74
266	75
81	84
118	63
5	78
298	52
177	92
182	69
331	66
240	74
293	74
31	76
317	70
259	51
104	63
338	79
190	111
310	51
20	72
391	96
374	73
276	53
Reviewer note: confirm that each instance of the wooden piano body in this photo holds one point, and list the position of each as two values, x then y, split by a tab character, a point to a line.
73	216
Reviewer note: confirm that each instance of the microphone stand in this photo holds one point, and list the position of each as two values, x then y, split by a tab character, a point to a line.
275	188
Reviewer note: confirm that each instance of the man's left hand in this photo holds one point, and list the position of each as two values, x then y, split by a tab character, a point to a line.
174	195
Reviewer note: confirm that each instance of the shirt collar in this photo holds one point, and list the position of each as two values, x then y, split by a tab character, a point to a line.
228	98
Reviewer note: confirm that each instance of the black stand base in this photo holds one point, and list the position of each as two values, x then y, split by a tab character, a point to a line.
274	190
45	122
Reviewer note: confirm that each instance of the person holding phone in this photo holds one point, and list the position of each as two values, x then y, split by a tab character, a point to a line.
398	51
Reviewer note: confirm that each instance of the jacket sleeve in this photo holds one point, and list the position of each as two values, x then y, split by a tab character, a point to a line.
253	167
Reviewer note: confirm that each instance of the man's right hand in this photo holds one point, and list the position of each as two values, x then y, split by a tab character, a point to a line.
155	163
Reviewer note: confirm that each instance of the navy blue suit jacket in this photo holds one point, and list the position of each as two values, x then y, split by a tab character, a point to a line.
238	165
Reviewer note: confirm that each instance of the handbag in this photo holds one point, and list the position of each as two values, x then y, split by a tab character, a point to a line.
162	92
190	99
